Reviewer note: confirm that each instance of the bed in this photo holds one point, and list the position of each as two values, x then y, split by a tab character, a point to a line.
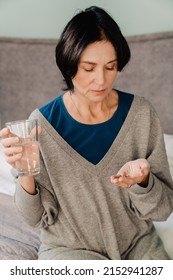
29	78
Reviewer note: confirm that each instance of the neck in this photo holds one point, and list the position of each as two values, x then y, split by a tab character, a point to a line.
89	112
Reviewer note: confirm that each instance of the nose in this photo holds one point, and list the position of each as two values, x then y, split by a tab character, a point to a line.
99	77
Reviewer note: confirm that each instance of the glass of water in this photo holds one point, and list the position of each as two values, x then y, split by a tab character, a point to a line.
27	131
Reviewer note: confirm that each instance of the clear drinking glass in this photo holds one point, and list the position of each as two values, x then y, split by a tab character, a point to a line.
27	131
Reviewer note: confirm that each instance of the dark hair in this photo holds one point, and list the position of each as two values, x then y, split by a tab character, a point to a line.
93	24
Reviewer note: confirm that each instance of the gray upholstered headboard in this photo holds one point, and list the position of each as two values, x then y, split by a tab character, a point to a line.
29	77
150	73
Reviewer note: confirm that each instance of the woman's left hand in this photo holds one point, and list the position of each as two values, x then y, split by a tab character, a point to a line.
133	172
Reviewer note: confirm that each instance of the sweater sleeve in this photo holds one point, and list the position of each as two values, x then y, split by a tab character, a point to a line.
41	209
155	202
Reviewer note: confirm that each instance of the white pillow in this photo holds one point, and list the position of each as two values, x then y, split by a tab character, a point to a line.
7	180
165	229
169	150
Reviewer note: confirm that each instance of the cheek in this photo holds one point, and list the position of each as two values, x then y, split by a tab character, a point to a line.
82	80
112	77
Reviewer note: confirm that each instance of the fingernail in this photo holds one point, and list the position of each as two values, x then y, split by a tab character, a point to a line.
116	176
16	139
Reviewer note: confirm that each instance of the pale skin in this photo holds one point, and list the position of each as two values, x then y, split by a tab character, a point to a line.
92	101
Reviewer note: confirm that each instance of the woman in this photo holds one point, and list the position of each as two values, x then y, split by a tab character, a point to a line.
104	171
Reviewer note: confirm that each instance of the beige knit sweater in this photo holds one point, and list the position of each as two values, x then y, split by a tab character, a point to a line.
78	207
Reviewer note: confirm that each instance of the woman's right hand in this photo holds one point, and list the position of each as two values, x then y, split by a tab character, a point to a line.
11	151
14	153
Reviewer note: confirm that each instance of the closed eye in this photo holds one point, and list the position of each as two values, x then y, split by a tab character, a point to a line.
89	70
112	67
107	68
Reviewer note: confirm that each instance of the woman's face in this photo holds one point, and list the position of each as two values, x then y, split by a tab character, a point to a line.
97	71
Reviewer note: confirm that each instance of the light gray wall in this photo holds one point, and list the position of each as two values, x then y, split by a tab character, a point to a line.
46	18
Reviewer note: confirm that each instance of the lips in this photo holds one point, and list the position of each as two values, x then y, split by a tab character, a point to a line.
99	90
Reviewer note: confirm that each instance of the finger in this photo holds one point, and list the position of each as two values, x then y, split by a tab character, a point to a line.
11	160
118	178
4	133
12	150
129	181
114	177
8	142
122	181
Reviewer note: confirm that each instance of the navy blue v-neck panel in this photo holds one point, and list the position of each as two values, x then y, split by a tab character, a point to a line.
91	141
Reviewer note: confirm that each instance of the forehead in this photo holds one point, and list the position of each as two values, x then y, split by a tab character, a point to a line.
101	50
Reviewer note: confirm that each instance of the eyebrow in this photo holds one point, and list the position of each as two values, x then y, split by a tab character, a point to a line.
93	63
